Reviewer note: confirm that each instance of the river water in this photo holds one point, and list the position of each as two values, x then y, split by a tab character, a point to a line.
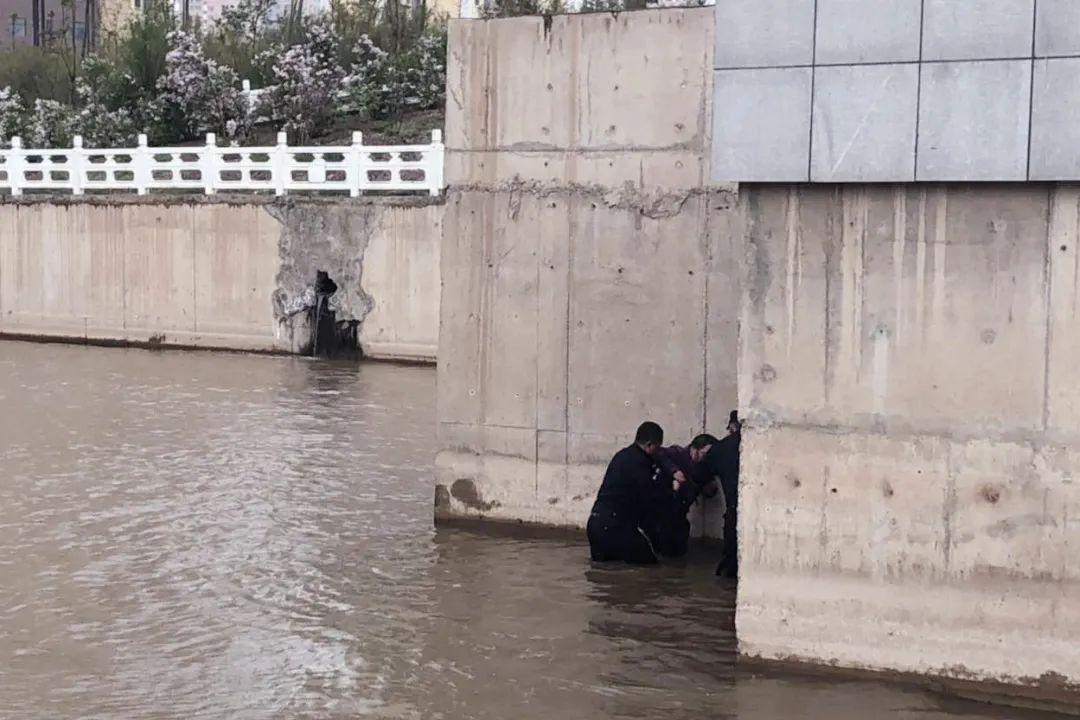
193	535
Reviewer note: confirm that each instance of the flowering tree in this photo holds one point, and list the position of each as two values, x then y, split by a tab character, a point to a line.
12	116
365	57
51	125
100	126
105	117
307	78
380	85
201	95
423	72
369	85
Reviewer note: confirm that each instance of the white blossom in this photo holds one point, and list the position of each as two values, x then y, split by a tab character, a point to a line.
12	116
307	78
380	86
203	93
51	125
98	125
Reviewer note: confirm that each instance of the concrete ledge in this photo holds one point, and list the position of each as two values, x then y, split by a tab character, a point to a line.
228	199
927	628
517	529
401	352
152	343
1049	695
499	488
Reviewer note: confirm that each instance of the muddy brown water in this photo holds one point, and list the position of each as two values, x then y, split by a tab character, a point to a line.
195	535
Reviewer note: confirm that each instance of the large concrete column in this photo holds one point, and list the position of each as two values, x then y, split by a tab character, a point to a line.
589	279
908	361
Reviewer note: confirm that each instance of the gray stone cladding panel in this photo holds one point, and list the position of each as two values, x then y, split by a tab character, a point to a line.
764	33
761	125
864	123
1057	28
977	29
868	31
1055	132
973	121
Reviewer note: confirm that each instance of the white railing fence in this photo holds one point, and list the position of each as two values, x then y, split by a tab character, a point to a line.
280	169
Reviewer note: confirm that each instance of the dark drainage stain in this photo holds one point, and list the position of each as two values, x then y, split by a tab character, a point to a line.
464	491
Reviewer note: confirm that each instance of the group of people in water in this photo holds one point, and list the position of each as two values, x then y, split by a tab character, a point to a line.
640	513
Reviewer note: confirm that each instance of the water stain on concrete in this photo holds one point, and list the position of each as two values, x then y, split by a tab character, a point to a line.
465	492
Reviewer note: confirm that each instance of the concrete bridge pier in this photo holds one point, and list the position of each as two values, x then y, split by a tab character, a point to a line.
589	281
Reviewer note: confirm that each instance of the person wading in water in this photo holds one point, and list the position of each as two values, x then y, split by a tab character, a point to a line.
688	476
627	500
723	462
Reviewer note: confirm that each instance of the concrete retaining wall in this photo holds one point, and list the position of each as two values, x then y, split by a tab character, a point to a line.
908	364
220	274
589	282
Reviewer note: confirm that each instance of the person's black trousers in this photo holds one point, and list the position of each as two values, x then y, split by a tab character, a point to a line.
612	538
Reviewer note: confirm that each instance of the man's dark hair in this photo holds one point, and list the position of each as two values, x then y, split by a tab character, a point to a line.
649	432
702	440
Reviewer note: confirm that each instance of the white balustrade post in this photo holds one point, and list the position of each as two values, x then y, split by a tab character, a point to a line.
245	90
16	165
358	173
436	163
317	172
75	165
279	161
140	159
210	164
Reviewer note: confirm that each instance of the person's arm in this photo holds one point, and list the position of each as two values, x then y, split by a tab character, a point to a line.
672	473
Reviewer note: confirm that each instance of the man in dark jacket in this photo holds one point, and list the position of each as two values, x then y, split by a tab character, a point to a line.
689	476
723	461
627	500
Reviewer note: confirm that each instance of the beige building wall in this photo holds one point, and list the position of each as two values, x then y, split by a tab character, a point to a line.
448	9
116	14
206	274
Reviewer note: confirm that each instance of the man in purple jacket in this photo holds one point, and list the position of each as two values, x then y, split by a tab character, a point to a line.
689	476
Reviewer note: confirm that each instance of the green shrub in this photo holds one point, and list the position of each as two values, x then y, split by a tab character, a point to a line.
35	72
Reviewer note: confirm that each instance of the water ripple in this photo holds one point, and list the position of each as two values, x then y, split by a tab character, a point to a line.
188	536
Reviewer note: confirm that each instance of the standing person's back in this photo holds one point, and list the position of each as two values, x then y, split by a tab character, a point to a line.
625	501
724	463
